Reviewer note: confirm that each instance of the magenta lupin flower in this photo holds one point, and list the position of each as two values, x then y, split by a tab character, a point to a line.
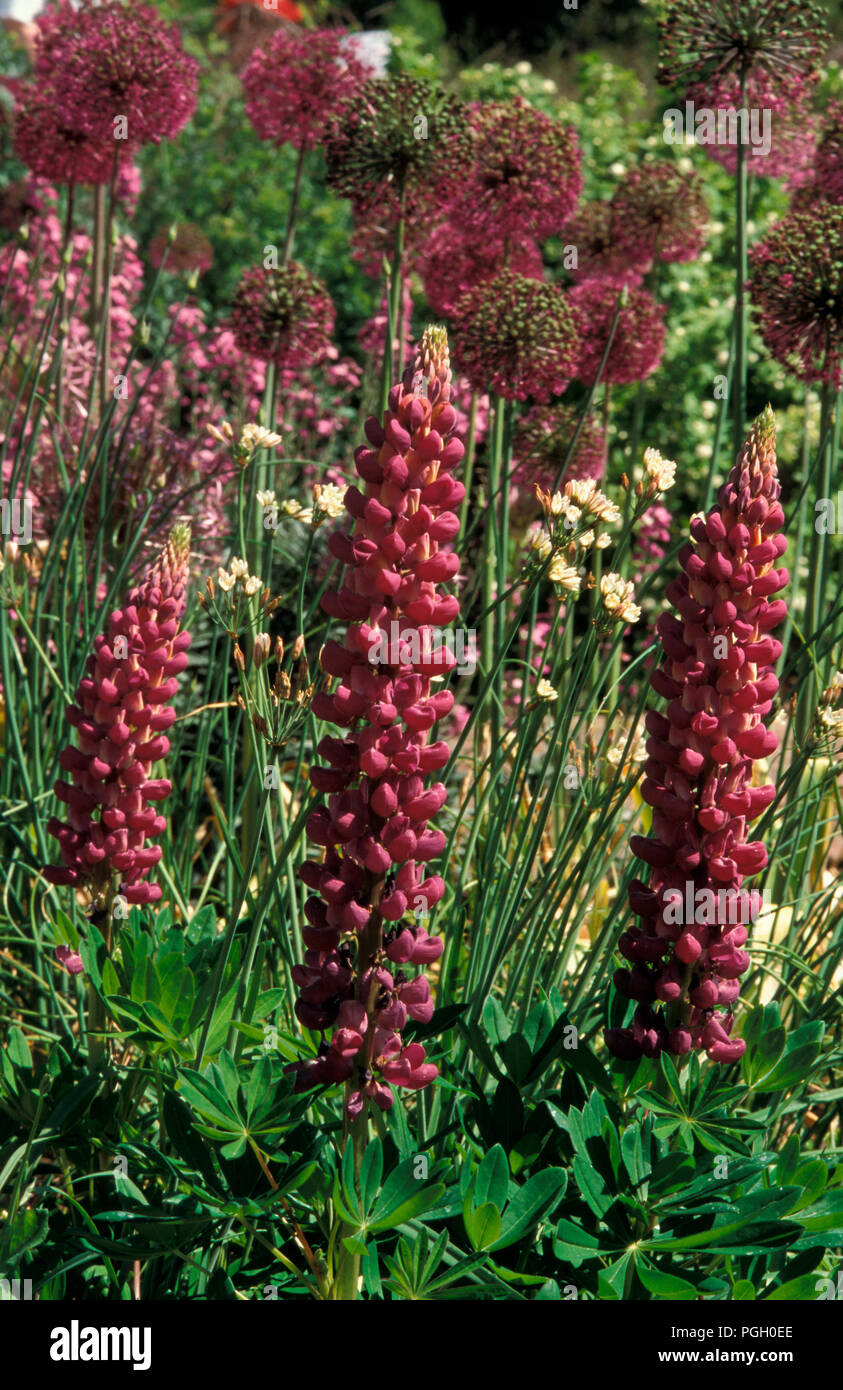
297	83
121	716
687	954
371	889
283	315
517	337
525	177
638	342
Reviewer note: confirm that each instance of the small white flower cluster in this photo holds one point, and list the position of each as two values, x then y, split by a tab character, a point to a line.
328	501
660	471
618	595
252	437
238	572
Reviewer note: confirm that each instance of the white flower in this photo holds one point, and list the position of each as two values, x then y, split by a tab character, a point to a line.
564	575
660	471
545	691
238	568
618	594
266	499
252	585
256	437
226	581
541	545
329	500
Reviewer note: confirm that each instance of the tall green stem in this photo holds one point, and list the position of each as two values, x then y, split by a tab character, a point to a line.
739	377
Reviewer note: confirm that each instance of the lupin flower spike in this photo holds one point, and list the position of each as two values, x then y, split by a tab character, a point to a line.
371	889
687	955
120	716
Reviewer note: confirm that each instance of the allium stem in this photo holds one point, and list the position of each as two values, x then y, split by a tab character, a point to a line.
741	274
290	237
393	302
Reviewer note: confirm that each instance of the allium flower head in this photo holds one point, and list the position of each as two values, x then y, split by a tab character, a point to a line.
778	39
796	282
401	138
120	716
297	83
525	177
793	127
542	439
283	316
591	230
455	261
659	213
638	342
53	146
181	249
716	675
517	337
828	164
105	61
371	890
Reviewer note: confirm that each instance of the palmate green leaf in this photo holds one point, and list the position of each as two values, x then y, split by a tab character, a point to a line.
797	1061
743	1291
632	1151
591	1186
812	1178
531	1204
663	1285
807	1288
483	1225
209	1101
401	1199
612	1281
371	1172
573	1245
755	1219
492	1181
18	1050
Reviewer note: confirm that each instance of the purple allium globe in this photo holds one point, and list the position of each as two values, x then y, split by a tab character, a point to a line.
525	177
283	316
796	283
297	83
541	444
659	214
591	231
53	148
188	250
400	141
516	337
454	261
705	44
110	61
793	126
638	343
828	164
